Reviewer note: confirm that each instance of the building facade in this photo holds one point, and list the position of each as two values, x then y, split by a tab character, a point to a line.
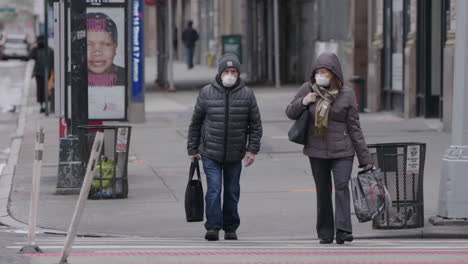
403	49
411	58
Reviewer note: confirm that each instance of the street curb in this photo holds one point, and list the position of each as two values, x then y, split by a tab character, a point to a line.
422	235
8	173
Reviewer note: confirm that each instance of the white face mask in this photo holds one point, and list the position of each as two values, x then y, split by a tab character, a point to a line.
229	80
322	80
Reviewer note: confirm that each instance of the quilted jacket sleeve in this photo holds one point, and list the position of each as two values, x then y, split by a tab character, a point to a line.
194	132
255	126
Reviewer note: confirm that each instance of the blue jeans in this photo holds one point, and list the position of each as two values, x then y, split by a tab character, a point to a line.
226	218
189	56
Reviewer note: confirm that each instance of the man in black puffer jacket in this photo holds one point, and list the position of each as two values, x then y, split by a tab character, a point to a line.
225	128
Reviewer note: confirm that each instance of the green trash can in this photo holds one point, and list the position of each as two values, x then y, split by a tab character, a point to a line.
403	167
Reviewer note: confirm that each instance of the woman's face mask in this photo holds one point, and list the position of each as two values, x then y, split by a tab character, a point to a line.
322	79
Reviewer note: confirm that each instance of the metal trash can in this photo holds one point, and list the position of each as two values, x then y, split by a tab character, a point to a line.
403	167
360	91
110	175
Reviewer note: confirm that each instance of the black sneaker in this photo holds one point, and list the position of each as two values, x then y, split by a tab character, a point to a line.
212	235
230	235
342	236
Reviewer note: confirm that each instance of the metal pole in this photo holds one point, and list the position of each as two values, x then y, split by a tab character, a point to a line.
79	65
277	51
96	151
452	196
217	48
46	66
39	150
169	39
180	28
36	181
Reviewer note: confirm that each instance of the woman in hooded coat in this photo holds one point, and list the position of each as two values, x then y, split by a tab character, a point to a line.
334	137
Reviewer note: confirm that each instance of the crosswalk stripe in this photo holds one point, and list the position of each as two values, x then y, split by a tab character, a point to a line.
243	246
256	253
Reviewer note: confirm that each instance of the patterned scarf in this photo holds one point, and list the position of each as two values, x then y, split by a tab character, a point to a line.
327	97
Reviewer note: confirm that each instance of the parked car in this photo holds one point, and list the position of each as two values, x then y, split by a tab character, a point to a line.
15	47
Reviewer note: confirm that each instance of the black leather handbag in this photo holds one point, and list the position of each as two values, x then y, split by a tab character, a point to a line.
194	203
299	130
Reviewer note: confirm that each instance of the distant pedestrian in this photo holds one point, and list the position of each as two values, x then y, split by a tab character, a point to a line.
189	37
334	136
225	128
39	54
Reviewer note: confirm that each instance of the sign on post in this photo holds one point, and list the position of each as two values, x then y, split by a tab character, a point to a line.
232	44
137	51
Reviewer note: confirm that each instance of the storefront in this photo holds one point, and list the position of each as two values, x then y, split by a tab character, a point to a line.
432	34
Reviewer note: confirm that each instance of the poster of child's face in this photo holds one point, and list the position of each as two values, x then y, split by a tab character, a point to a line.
106	62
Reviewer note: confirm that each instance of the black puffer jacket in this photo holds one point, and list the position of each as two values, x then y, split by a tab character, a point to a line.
225	123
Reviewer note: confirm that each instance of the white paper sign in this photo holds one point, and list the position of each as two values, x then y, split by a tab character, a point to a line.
412	159
122	135
106	102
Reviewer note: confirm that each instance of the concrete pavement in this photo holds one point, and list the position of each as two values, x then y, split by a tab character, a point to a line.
277	200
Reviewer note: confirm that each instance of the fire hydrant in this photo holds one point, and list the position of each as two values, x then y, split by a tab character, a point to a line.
209	58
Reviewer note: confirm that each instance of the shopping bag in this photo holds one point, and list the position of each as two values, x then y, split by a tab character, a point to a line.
103	174
370	196
194	204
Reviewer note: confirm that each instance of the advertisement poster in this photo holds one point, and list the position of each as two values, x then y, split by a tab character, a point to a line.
107	73
104	1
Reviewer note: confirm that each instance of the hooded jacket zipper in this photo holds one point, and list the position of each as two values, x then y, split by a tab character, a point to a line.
226	125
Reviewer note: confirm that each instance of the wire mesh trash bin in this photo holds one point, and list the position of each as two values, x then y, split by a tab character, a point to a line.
403	167
110	175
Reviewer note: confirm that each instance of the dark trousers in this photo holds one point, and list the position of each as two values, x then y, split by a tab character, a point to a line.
226	218
322	171
189	52
40	89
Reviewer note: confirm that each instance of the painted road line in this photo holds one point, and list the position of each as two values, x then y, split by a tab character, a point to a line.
255	253
211	246
320	262
253	241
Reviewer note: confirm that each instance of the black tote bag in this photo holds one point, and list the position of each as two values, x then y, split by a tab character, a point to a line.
194	204
298	132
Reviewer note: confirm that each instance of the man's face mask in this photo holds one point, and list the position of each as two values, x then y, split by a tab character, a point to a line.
229	80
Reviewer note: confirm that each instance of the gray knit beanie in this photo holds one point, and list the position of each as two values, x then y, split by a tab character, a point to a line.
228	60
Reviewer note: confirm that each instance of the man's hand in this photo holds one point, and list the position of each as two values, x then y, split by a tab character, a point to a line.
249	159
196	156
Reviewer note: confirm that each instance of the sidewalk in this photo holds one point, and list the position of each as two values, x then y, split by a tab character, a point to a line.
184	79
277	197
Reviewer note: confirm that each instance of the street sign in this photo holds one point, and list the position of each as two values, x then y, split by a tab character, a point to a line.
7	9
232	44
137	51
